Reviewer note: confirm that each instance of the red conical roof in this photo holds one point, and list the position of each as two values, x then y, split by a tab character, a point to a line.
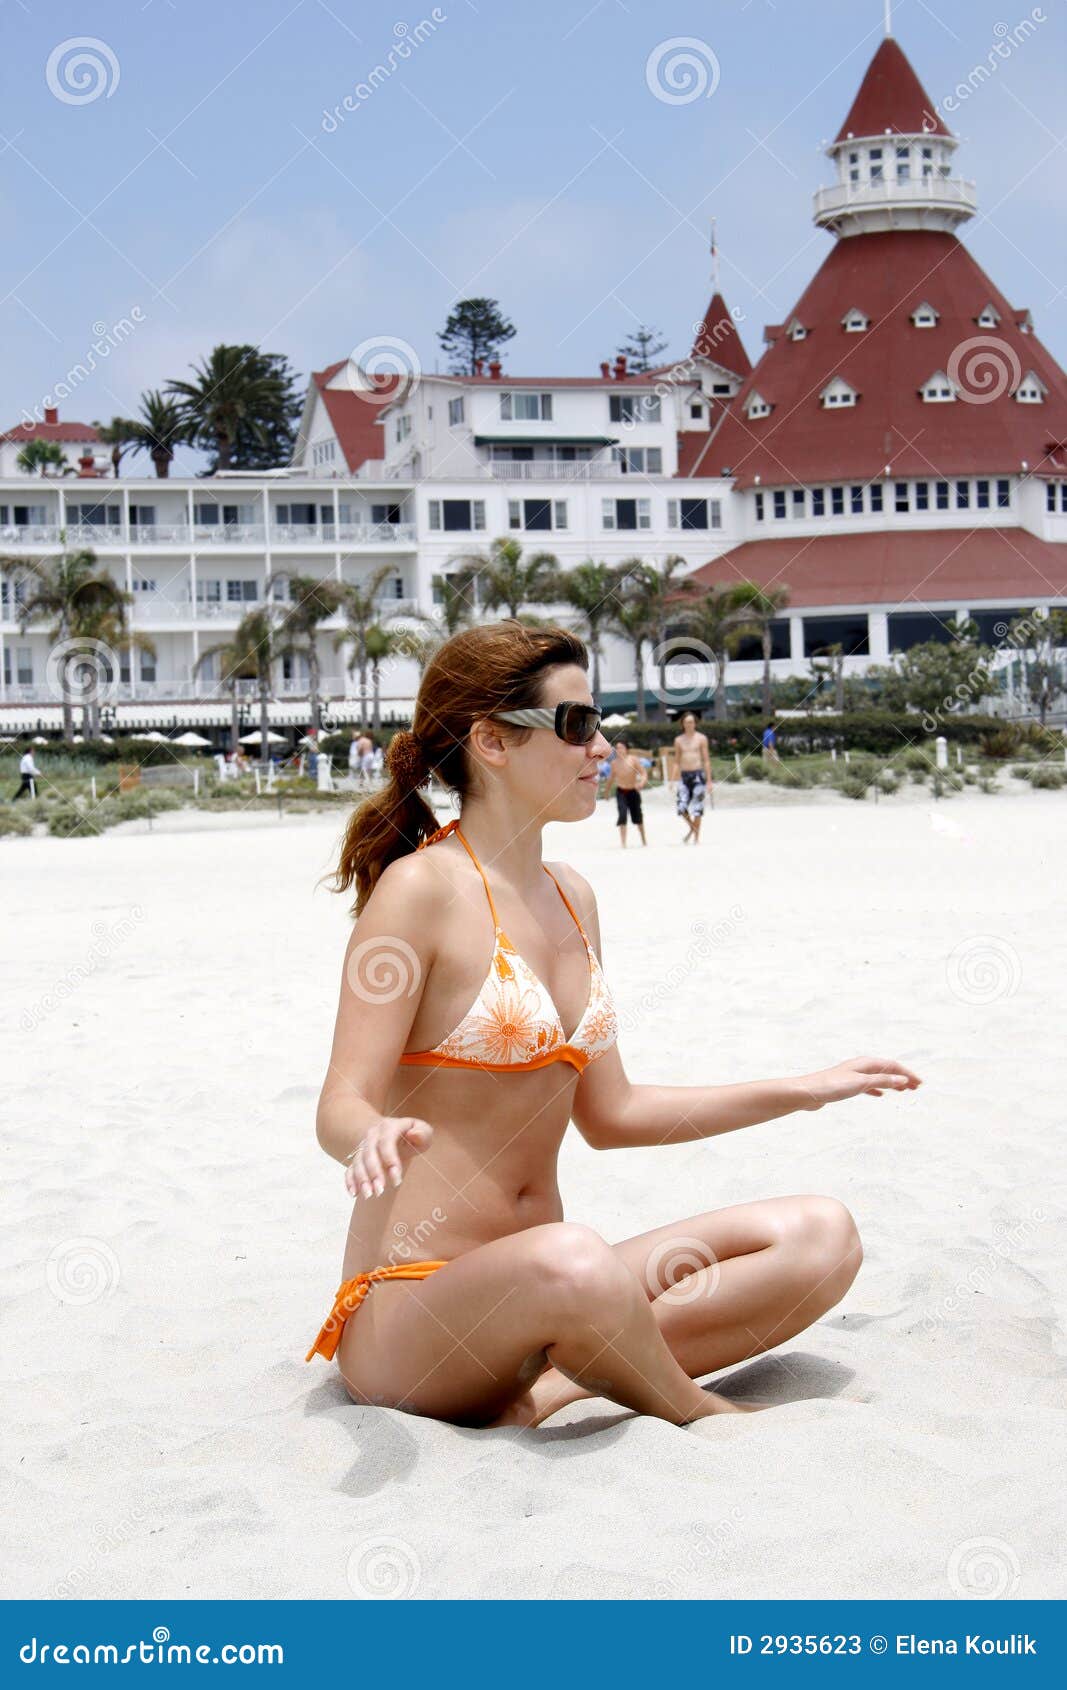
886	275
891	97
717	339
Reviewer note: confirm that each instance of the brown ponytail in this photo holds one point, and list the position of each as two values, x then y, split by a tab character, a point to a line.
498	666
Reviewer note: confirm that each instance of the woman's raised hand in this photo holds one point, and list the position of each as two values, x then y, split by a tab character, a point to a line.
870	1074
383	1151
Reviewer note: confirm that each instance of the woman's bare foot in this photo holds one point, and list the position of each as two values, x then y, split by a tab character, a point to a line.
547	1395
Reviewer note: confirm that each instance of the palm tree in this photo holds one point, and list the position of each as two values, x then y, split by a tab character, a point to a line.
720	620
158	429
635	618
236	390
590	589
505	578
41	455
74	594
664	592
237	664
360	603
118	434
765	604
312	601
108	625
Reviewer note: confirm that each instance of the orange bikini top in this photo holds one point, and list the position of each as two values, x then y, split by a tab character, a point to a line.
513	1023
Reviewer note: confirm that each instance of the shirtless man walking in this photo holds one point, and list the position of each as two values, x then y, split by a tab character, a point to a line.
691	767
361	760
627	777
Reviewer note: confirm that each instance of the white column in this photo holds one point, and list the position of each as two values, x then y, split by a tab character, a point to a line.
878	635
796	639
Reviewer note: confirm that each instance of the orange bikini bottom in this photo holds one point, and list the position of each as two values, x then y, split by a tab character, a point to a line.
351	1293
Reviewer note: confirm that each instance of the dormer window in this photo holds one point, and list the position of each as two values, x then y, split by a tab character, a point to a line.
937	389
796	330
1031	390
1024	323
855	321
756	406
924	316
837	393
988	317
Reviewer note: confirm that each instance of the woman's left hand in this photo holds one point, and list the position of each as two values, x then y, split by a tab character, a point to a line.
870	1074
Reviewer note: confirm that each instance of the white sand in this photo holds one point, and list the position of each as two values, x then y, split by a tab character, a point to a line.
174	1233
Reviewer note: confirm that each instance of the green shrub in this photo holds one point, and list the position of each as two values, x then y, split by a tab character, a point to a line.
852	787
916	758
780	774
988	785
1044	775
888	780
13	822
753	768
1003	742
68	821
1023	771
919	775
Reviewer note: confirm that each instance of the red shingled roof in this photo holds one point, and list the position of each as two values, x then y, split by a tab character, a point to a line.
891	97
717	339
903	569
356	419
887	275
69	432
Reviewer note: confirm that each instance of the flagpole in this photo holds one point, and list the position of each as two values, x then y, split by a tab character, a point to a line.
714	259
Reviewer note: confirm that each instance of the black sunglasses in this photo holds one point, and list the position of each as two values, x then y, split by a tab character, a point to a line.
576	724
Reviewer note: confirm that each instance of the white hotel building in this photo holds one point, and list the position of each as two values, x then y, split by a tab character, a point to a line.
861	464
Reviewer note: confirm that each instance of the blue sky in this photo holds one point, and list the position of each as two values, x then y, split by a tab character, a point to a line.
516	151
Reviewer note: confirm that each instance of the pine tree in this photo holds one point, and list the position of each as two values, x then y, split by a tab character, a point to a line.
476	328
642	349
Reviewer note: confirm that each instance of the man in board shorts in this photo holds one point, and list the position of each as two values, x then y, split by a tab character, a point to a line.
628	777
691	768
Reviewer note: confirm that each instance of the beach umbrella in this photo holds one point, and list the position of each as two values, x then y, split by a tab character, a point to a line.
39	739
615	721
253	738
190	738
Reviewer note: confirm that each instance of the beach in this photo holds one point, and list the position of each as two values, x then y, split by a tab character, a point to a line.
174	1232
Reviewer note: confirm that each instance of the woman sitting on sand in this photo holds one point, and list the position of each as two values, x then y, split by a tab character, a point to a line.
450	1088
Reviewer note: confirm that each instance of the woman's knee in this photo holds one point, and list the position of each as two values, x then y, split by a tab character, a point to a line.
824	1231
576	1266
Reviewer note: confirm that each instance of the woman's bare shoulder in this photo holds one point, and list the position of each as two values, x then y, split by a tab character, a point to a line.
577	888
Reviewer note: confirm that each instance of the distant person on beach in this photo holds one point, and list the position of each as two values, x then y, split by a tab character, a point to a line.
691	767
29	772
627	775
361	759
770	744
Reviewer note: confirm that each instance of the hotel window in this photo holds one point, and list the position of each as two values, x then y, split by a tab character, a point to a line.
634	407
638	460
627	513
455	412
938	390
963	495
1003	495
241	592
756	406
927	156
403	428
941	492
1029	391
779	503
797	331
922	495
390	514
855	495
855	322
924	316
837	501
759	507
526	407
457	516
142	516
901	501
721	387
142	584
697	411
853	167
875	156
798	501
903	163
981	495
24	664
838	393
988	318
876	495
1050	496
323	453
818	501
695	513
209	592
532	514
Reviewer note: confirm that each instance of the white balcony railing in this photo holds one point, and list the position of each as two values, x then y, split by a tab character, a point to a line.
345	533
553	469
15	534
229	534
916	191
